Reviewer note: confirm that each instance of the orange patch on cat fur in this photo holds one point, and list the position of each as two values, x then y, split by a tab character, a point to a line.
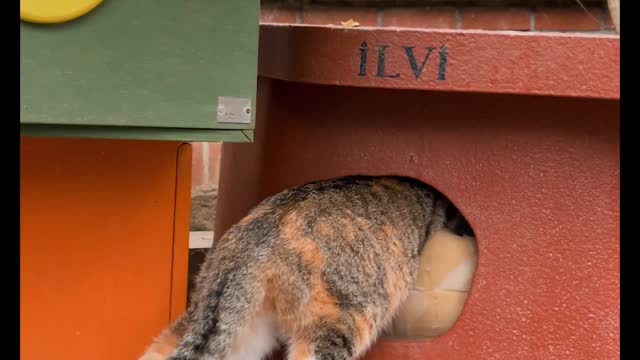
393	184
306	248
348	230
324	230
377	189
291	225
162	346
363	328
319	305
396	282
300	351
322	305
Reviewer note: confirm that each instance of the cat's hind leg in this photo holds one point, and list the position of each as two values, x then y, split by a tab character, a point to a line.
341	339
323	343
256	340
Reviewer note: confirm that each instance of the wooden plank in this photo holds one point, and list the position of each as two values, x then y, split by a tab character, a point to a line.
200	239
180	258
135	133
96	241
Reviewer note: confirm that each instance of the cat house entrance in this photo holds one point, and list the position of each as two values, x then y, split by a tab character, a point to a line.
446	269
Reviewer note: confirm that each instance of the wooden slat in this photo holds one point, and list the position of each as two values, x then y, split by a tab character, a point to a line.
200	239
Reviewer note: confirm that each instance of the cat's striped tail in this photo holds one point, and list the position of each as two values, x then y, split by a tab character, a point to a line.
226	305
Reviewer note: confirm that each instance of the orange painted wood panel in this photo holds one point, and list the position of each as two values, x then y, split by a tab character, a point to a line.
180	259
103	237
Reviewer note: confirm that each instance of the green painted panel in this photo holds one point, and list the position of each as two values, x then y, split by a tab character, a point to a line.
136	133
141	63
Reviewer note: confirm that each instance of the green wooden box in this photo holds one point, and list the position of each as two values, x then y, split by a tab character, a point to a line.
143	69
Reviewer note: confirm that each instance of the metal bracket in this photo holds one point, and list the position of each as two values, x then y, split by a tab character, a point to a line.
234	110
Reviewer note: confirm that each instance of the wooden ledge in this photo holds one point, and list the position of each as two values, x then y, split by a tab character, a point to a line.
553	64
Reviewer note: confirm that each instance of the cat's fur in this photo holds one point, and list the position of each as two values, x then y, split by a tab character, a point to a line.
323	267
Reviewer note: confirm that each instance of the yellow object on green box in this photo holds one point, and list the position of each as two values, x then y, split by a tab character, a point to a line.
55	11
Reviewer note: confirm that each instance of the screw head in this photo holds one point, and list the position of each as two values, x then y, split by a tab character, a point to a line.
220	109
247	110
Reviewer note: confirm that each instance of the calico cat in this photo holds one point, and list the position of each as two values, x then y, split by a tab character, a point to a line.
322	267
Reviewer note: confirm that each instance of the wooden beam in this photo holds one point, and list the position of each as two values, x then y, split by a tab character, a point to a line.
525	63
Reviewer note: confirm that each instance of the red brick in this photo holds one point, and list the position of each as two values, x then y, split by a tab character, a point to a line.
496	18
568	19
274	14
433	18
333	15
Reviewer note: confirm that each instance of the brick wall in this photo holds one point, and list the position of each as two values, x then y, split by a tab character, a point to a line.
594	17
519	15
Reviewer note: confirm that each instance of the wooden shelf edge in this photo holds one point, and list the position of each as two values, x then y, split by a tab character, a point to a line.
136	133
552	64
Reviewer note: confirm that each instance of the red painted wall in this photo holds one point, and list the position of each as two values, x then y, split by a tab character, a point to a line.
537	177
